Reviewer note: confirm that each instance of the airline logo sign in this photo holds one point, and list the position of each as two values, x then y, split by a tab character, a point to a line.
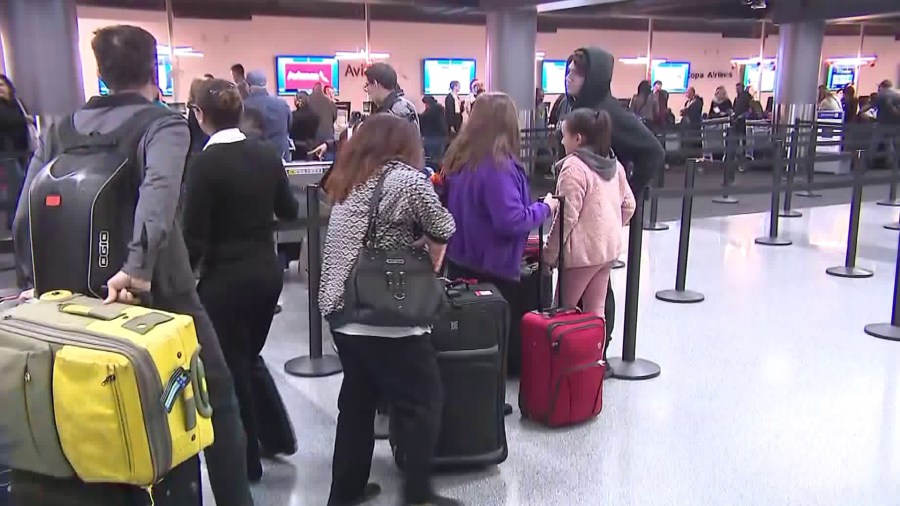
305	75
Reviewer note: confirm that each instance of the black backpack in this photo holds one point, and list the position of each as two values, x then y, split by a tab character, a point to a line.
82	204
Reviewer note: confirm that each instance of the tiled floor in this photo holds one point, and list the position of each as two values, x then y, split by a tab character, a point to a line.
771	394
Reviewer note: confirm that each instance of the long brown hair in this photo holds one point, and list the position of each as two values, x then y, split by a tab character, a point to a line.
492	130
380	139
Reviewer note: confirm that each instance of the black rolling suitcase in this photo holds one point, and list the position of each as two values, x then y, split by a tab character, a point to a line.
470	342
181	487
535	292
276	432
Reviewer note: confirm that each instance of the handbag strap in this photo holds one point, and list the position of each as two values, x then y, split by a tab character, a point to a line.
369	240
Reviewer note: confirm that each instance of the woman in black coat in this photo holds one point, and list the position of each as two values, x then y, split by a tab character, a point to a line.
14	146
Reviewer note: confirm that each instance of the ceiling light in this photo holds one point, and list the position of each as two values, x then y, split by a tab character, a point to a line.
852	60
360	55
755	4
640	60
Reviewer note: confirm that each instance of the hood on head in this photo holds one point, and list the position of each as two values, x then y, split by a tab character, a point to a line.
598	76
605	166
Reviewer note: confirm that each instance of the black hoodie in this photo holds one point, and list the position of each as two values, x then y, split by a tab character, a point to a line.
631	140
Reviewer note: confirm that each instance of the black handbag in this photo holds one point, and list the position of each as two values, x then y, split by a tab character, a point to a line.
392	288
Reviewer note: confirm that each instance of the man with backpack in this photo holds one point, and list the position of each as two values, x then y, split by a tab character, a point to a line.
384	90
141	148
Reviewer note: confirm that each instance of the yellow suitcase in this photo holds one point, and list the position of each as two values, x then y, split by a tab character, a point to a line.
108	393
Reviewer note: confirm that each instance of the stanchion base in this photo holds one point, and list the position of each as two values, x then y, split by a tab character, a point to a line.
889	203
883	331
893	226
772	241
808	194
308	367
725	200
680	296
655	226
618	264
790	213
843	271
636	370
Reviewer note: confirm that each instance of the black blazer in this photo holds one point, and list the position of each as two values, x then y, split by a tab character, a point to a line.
454	119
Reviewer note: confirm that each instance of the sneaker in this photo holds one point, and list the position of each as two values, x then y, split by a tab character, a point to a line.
371	491
507	409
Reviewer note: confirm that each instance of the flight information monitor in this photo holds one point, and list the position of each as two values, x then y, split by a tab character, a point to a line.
840	76
438	73
673	74
751	76
302	73
553	77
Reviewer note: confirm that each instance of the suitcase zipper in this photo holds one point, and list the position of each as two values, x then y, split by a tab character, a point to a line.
120	412
27	378
555	344
149	384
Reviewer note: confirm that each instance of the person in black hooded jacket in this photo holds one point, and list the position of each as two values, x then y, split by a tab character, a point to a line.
588	77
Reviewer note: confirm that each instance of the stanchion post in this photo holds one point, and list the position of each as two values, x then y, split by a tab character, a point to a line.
787	211
316	364
729	167
892	156
809	163
652	224
629	367
890	331
777	167
679	295
849	269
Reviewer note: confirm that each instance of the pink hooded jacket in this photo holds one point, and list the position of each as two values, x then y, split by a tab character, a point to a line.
598	203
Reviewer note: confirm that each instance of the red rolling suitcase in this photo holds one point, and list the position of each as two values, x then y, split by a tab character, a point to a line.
562	362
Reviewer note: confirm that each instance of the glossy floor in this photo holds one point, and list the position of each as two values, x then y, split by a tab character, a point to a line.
770	392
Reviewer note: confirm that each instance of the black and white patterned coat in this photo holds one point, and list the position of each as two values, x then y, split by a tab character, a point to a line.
409	206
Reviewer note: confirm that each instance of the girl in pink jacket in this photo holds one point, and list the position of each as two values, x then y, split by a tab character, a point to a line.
598	203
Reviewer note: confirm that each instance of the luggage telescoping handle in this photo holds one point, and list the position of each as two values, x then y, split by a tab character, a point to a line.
560	264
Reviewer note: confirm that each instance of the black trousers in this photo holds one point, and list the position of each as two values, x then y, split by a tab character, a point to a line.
404	372
181	487
240	299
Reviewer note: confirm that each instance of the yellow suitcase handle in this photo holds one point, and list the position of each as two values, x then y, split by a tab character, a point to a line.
198	385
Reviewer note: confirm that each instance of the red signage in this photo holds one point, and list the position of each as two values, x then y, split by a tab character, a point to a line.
305	75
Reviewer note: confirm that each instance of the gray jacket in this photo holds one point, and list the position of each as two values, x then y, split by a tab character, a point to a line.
163	150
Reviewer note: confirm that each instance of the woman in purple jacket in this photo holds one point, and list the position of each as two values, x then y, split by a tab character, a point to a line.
487	194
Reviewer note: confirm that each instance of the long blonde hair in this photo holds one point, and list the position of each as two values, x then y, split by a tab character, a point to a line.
492	130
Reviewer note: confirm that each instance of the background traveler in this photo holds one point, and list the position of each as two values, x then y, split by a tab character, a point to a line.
644	105
588	77
238	74
16	144
433	123
394	364
157	262
721	106
304	126
453	107
326	112
598	203
234	187
382	87
275	113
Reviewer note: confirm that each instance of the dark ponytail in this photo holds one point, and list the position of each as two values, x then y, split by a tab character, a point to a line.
594	126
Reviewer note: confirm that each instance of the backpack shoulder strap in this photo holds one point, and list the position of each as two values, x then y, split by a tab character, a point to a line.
128	136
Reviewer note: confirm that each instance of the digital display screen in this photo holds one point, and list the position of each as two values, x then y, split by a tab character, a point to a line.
673	74
553	77
751	76
302	73
163	74
438	73
840	76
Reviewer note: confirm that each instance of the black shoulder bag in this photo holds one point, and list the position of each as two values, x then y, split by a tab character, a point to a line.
392	288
